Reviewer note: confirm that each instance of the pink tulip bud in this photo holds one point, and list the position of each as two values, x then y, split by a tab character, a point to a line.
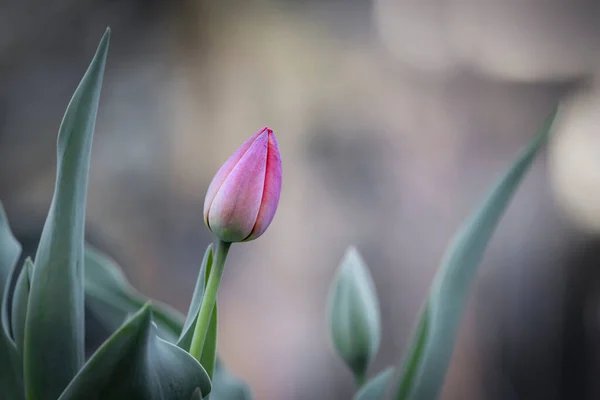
242	198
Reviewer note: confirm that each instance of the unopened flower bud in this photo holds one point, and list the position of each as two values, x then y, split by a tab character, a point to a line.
242	198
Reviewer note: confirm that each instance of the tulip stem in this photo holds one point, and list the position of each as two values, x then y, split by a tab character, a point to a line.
209	299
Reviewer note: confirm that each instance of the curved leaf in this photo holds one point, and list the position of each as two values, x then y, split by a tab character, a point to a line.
209	351
450	288
54	329
11	378
19	306
105	283
376	388
185	339
111	298
354	314
134	363
413	358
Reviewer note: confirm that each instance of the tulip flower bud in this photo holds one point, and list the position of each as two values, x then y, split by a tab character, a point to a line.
242	198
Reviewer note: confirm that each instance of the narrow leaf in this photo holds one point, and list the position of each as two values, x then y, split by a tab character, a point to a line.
19	306
450	288
134	363
11	378
415	353
185	339
209	351
54	328
111	298
377	387
353	313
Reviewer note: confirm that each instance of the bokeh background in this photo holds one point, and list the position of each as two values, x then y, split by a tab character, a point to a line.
393	116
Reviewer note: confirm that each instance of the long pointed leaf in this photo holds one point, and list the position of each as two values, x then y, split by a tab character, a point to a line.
54	331
450	288
11	378
19	306
134	363
209	351
185	339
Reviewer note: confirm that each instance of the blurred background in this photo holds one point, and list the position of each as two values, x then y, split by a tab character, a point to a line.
394	117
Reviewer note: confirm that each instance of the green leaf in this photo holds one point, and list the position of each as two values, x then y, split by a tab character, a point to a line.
185	339
134	363
227	387
54	329
414	356
209	352
111	298
197	395
11	378
353	312
433	344
19	306
376	388
114	299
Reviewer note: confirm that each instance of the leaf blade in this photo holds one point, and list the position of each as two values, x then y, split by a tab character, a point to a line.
11	379
185	339
449	290
19	306
134	363
54	331
209	350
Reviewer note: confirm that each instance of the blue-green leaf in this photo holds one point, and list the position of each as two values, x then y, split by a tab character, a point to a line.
377	387
197	395
111	298
114	299
185	339
11	377
54	328
19	306
209	351
353	312
412	360
134	363
433	343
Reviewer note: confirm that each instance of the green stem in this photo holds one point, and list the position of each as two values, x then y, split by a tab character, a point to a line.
209	299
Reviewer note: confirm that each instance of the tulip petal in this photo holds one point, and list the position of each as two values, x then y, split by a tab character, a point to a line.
226	169
271	190
232	213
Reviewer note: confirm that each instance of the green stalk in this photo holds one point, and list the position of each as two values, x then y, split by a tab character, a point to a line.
209	300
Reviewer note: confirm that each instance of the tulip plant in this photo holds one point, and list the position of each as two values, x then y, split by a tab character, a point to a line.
154	352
